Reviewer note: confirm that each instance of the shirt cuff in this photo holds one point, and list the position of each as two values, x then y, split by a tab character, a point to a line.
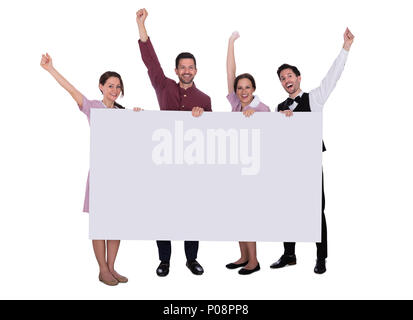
344	52
144	43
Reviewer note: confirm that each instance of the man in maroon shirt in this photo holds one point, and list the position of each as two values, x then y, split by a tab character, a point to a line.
181	96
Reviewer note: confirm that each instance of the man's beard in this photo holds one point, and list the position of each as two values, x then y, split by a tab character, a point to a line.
182	79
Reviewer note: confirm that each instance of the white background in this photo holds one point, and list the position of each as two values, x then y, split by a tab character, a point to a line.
45	251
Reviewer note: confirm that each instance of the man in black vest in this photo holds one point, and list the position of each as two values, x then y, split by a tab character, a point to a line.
314	101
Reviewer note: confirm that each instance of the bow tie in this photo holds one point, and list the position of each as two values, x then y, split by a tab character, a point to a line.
290	101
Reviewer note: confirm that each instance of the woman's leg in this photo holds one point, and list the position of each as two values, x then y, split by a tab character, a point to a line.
251	248
105	276
113	247
244	253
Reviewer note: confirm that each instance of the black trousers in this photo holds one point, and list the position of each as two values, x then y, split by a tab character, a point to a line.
164	249
289	247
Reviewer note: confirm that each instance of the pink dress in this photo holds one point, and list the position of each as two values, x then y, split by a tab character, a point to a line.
86	106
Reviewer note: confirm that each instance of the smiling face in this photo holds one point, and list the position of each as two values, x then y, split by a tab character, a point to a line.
111	89
186	71
245	91
290	82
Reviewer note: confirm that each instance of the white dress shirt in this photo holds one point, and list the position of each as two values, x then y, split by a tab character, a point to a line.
319	95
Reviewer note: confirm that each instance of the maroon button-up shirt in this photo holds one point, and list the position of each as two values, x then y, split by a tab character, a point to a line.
170	95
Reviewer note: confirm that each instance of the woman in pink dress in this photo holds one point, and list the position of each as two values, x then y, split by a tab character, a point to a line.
111	86
241	97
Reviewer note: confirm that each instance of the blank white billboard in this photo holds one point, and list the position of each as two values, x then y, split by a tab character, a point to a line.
169	176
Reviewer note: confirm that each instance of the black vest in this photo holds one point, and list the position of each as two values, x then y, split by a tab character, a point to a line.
303	106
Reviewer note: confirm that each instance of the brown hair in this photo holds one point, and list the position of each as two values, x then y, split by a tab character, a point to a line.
244	76
288	66
184	55
108	74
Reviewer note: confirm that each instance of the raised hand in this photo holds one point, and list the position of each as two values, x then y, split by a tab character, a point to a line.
46	62
234	36
348	39
231	65
141	15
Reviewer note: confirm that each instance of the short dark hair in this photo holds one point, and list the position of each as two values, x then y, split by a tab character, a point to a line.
288	66
184	55
244	76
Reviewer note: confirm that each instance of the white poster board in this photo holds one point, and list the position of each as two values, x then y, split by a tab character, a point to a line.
170	176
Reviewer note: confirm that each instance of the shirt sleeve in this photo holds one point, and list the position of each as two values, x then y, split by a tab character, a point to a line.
319	96
208	106
151	62
86	105
234	101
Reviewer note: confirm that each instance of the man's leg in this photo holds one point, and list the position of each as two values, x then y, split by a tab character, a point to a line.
191	252
289	248
320	266
322	246
164	249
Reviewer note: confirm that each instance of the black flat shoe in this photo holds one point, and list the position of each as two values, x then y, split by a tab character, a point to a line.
320	266
195	267
284	261
236	265
244	271
163	269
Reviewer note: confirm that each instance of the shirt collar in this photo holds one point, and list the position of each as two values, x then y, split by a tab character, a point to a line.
255	102
189	89
300	94
104	105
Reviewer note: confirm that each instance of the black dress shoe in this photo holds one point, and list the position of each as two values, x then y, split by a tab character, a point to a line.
247	271
236	265
195	267
163	269
320	266
283	261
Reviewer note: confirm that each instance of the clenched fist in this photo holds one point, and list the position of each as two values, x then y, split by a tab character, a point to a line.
46	62
141	15
348	39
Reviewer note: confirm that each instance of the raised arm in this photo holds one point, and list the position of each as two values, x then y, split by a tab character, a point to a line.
140	20
319	96
148	54
231	66
47	64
